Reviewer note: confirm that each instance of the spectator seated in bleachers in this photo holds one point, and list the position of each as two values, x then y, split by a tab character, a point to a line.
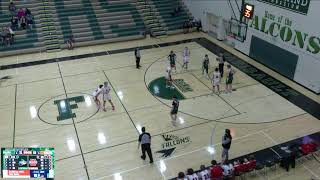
7	36
191	23
181	176
29	21
216	171
204	173
23	22
21	13
197	24
191	175
14	23
185	27
11	35
12	8
27	12
70	43
3	35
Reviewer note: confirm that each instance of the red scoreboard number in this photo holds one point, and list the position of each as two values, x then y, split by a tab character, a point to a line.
248	10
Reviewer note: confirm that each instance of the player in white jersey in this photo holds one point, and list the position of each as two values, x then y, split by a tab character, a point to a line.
168	77
106	95
96	94
216	78
191	175
186	57
204	173
181	176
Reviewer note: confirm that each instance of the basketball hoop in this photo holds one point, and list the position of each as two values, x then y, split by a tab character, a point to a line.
237	30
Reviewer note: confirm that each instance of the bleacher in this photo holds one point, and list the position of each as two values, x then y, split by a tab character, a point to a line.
89	22
25	40
99	21
165	8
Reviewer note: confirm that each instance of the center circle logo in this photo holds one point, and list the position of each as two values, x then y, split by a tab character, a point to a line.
67	109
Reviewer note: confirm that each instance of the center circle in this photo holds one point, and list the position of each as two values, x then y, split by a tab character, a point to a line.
67	109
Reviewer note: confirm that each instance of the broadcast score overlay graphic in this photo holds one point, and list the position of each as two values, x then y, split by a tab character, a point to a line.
27	162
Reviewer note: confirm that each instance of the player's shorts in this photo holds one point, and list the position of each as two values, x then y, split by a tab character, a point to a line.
106	97
186	59
94	94
168	78
216	82
174	111
172	65
229	80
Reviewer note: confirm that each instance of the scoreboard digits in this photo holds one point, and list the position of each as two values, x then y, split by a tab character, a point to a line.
27	162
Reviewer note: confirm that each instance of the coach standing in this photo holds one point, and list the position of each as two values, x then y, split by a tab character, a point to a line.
145	141
138	57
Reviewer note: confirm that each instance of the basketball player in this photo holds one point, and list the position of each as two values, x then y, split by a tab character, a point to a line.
216	81
172	58
168	77
191	175
174	110
229	79
204	173
181	176
205	65
96	94
106	96
186	57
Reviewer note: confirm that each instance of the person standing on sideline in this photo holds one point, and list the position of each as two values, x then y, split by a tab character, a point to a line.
138	57
145	142
226	144
106	96
172	58
205	65
229	78
174	110
221	61
216	78
186	57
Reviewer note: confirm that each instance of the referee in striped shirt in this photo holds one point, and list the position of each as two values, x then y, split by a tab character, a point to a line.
145	142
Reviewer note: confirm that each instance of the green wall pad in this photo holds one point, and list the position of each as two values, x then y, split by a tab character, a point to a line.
274	57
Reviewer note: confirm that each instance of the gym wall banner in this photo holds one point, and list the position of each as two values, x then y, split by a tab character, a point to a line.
298	6
282	27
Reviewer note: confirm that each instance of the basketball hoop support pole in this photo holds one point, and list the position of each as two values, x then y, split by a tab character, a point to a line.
241	13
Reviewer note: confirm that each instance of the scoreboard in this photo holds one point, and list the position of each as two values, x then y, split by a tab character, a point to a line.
27	162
